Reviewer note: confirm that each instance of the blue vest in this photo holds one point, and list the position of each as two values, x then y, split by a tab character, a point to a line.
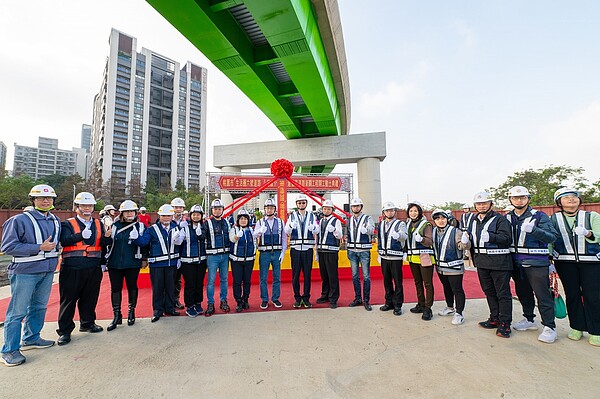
571	247
449	259
525	245
386	245
217	239
271	239
301	235
414	247
327	241
193	247
243	249
475	229
123	253
163	251
355	239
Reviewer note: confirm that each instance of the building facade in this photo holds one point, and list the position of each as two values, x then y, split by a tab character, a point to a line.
149	119
86	137
47	159
2	156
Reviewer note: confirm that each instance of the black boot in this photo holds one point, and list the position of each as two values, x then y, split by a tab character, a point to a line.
117	319
240	306
132	303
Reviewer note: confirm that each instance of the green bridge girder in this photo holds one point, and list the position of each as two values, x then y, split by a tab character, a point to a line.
273	51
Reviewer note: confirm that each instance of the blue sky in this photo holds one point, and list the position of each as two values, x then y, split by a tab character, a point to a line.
468	92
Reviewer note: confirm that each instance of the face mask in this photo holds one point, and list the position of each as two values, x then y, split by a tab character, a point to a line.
44	210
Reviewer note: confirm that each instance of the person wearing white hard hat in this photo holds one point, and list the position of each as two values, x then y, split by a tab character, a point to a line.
193	262
84	240
216	233
31	238
491	235
124	262
272	244
328	238
449	242
180	218
576	255
420	257
111	211
144	216
465	219
532	231
358	244
241	254
301	226
390	246
163	238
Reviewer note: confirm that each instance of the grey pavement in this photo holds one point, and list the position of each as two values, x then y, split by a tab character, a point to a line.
316	353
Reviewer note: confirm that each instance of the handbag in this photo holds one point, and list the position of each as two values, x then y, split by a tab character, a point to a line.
560	309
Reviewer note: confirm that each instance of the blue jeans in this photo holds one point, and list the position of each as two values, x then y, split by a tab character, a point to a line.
266	259
364	258
30	293
214	262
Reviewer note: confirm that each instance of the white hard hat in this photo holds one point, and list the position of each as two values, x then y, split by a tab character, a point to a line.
142	208
561	192
166	210
388	205
417	203
483	196
217	203
42	190
518	191
128	205
270	202
177	202
196	208
466	206
356	201
243	212
328	203
109	208
85	198
439	212
302	197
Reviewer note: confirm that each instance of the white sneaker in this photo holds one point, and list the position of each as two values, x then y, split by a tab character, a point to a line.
525	325
548	335
458	319
446	311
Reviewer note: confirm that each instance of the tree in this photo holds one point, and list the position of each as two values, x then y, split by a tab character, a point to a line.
452	205
14	191
134	190
65	191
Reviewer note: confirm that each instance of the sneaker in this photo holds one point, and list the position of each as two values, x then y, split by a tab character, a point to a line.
306	304
446	311
239	307
489	323
575	335
264	304
277	304
525	325
12	359
356	302
210	310
297	304
594	340
198	308
548	335
417	309
39	344
178	305
246	305
322	300
458	319
333	305
503	330
191	311
224	306
427	314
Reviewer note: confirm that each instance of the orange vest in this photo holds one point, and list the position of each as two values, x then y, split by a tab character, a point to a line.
81	248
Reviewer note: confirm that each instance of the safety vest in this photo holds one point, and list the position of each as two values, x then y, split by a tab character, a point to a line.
414	247
447	254
570	246
301	235
271	240
40	240
327	241
140	228
167	248
524	243
356	239
488	248
193	250
465	219
217	243
243	249
81	248
386	245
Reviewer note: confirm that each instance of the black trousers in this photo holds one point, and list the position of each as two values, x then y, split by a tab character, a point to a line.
581	282
116	286
328	267
163	289
242	273
423	276
496	286
193	277
535	280
453	290
301	263
177	289
78	287
392	282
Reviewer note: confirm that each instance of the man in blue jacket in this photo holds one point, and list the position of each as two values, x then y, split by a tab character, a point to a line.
31	238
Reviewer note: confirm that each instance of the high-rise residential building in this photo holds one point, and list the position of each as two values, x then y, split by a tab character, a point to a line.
2	156
86	137
149	119
47	159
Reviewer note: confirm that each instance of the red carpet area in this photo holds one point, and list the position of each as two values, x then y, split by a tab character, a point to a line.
144	308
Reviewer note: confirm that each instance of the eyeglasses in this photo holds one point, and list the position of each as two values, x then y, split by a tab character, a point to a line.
300	202
45	198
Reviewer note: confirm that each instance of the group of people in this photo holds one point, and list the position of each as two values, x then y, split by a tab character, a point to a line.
519	244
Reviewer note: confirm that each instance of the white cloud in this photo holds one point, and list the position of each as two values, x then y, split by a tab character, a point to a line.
466	33
389	100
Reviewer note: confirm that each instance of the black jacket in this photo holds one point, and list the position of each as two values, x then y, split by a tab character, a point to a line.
501	237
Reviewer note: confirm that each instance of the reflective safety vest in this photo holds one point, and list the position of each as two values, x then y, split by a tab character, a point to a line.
81	248
524	243
136	225
40	240
570	246
447	254
193	251
165	254
217	243
479	247
356	239
414	247
271	240
327	241
386	245
301	235
243	249
465	219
